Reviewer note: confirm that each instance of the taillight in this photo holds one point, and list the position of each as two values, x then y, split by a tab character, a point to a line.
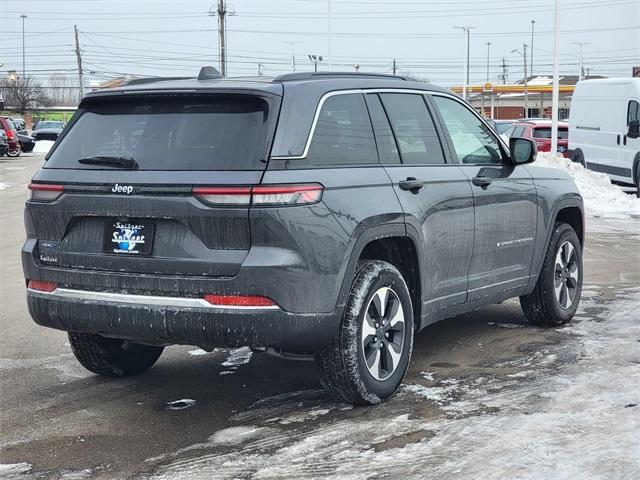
224	195
41	286
10	135
263	195
240	301
42	192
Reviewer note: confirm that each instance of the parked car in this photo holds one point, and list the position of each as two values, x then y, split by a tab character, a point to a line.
331	215
20	124
27	143
540	132
48	130
12	137
502	126
604	132
4	145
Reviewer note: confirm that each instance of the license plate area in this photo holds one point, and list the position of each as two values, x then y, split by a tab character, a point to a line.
128	237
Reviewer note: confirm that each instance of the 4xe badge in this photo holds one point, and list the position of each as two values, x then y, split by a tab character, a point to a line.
128	238
127	189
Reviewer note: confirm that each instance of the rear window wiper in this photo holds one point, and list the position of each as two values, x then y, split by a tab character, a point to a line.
117	162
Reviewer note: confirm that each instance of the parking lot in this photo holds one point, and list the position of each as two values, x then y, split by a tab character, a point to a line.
486	395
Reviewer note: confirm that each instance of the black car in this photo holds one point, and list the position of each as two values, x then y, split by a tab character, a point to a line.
332	215
4	144
48	130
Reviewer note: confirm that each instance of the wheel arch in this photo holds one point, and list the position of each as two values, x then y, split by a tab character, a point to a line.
389	243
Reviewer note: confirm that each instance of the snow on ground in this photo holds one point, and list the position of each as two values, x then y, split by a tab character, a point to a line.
4	186
43	146
601	197
10	471
180	404
573	413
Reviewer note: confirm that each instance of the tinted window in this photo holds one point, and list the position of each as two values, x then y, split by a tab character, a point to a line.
170	133
343	134
545	132
634	111
387	148
414	128
472	140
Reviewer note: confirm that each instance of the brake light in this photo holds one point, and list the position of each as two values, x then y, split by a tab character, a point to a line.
10	135
264	195
224	195
41	286
41	192
239	300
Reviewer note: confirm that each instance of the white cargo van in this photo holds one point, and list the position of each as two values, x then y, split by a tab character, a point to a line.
603	128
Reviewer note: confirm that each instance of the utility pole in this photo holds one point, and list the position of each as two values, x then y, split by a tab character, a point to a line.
293	54
467	31
24	70
504	72
394	66
488	50
222	36
581	44
533	24
526	77
328	33
79	59
556	78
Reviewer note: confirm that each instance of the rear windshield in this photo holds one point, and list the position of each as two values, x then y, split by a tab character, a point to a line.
214	132
563	133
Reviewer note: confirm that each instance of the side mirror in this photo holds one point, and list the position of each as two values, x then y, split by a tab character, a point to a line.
522	150
634	129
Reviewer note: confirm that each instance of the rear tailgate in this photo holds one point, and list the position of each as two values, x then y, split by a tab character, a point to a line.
147	220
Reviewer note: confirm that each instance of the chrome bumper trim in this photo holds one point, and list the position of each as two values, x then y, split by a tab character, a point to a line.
151	301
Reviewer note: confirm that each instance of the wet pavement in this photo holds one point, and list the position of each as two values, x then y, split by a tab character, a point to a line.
486	397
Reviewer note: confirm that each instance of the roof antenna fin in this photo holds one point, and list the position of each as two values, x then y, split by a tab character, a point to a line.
207	73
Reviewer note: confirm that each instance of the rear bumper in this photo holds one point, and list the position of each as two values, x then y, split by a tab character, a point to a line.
165	320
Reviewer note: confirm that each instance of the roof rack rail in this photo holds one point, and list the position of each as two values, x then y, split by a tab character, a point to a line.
290	77
142	81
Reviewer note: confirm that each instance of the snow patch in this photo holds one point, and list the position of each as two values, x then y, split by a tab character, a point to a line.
236	435
198	352
237	357
181	404
43	146
4	186
601	197
12	470
506	325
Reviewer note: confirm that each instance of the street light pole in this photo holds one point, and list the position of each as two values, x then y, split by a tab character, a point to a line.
533	23
526	77
328	33
467	31
488	49
23	17
581	44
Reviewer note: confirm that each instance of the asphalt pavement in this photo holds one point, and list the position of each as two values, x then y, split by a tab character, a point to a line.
487	396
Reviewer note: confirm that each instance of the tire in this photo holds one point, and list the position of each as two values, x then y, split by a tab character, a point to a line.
548	306
112	357
14	153
578	157
342	367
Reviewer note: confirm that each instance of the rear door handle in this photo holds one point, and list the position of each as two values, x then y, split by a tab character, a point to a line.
483	182
412	184
618	140
624	139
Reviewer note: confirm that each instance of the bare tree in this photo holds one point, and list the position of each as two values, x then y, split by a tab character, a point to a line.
62	91
22	93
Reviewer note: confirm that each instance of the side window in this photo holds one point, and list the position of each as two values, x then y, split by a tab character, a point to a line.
387	147
414	128
517	132
633	112
472	140
343	134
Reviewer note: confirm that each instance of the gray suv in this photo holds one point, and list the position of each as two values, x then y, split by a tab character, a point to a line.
322	214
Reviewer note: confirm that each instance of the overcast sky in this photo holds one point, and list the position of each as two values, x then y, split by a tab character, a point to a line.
170	37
